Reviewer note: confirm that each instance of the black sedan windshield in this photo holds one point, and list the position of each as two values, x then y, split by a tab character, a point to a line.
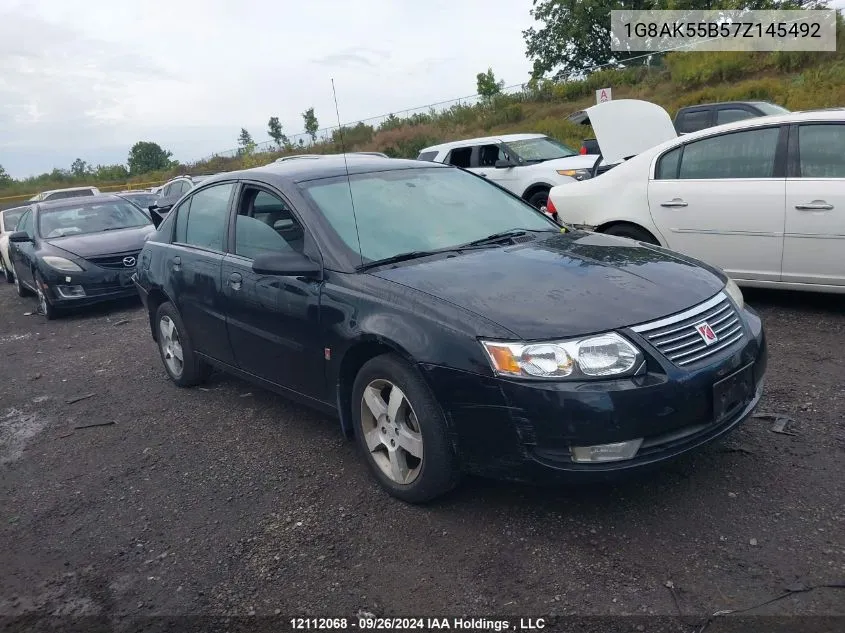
89	218
419	210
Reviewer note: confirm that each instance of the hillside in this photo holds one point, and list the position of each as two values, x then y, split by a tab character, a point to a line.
798	81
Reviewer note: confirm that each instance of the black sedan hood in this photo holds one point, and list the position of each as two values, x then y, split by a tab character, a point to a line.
105	242
565	285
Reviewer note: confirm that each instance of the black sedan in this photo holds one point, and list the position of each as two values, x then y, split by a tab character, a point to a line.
451	326
77	251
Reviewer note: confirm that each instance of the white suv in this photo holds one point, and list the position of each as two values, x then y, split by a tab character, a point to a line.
529	165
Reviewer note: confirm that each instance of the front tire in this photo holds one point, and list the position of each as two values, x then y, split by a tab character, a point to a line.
401	431
45	306
181	363
633	232
22	290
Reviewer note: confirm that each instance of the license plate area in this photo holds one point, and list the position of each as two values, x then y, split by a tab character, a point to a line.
733	393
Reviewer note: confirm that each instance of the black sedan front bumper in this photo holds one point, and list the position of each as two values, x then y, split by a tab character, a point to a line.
98	285
526	430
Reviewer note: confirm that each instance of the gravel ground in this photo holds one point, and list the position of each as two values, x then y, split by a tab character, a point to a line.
231	501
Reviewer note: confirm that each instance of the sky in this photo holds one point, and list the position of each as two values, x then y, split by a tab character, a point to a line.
88	79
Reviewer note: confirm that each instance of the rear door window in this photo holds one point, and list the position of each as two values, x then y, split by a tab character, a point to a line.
460	157
203	220
746	154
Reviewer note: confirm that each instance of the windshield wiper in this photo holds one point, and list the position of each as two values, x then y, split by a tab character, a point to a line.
403	257
496	237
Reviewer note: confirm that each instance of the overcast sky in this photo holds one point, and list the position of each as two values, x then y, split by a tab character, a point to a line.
89	78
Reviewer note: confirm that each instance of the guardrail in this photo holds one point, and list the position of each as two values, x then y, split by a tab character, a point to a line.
105	188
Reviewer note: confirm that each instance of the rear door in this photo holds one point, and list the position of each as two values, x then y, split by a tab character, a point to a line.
194	263
814	240
273	321
721	199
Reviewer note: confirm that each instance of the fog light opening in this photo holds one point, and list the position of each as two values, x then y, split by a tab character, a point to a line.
71	292
615	452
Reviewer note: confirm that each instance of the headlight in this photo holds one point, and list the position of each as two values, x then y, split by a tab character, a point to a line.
735	293
590	357
577	174
60	263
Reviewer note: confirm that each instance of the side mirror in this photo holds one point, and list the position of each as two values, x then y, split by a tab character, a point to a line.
503	164
19	236
287	264
156	217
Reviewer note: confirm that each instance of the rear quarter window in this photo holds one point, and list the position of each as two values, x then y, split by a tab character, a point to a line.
429	156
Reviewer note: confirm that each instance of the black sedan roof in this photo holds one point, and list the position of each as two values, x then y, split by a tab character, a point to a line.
80	201
295	171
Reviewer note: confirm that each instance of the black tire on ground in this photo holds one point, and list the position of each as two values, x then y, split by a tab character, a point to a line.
539	199
7	274
633	232
438	469
45	306
22	290
194	370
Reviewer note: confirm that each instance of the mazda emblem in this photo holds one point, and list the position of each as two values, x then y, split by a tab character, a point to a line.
129	262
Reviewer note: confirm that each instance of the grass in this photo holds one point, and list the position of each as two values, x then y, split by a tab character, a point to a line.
798	81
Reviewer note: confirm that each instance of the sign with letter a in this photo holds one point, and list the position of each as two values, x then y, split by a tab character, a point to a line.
603	95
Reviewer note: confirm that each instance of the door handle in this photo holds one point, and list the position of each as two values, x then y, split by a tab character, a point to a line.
815	205
674	202
235	280
177	263
483	175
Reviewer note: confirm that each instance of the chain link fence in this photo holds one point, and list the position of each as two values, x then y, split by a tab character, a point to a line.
304	141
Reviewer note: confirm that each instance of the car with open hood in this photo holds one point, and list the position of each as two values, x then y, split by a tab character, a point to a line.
76	252
451	326
762	198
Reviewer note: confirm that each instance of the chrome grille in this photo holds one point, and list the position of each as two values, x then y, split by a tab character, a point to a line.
679	340
115	260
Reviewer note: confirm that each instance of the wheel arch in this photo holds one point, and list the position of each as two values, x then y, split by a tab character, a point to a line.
363	349
535	188
155	298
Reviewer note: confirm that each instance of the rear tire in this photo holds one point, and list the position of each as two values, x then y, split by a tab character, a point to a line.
632	232
402	431
181	363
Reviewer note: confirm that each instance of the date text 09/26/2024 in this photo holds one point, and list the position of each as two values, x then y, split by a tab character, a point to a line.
416	624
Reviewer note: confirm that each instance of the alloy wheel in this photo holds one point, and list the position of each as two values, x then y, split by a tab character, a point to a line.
392	431
171	346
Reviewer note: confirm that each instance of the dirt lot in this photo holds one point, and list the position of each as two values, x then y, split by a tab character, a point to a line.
229	500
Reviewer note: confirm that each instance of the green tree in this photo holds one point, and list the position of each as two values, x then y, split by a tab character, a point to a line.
79	168
274	131
146	156
5	178
245	143
311	125
574	36
486	84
